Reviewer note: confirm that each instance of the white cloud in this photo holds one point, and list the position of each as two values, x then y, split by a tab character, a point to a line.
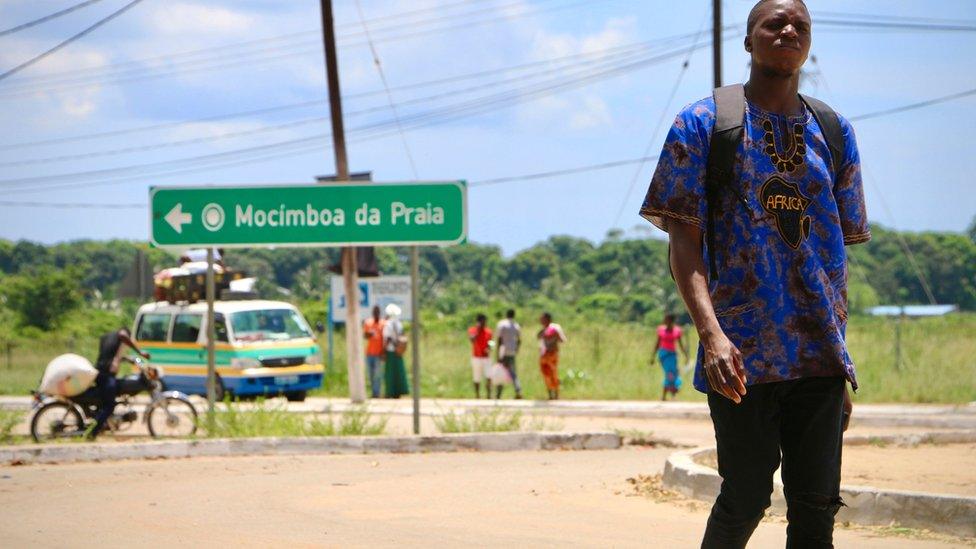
181	18
585	109
594	114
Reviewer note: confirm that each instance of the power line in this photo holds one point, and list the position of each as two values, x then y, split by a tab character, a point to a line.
913	106
71	39
895	25
70	205
46	18
556	173
386	86
880	17
622	49
233	60
500	180
657	127
168	58
922	279
604	60
301	145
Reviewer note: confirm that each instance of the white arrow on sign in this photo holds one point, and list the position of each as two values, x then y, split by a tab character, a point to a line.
176	218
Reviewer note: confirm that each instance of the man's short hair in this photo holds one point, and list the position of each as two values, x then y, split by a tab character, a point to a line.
510	313
547	315
481	317
754	14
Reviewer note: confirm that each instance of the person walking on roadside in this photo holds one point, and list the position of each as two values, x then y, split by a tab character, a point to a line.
509	335
666	350
480	337
759	189
395	344
373	333
550	337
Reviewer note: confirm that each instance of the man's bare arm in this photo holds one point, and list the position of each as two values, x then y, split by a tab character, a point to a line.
132	344
723	361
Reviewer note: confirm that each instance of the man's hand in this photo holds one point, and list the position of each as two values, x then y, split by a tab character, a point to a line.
145	355
723	368
848	409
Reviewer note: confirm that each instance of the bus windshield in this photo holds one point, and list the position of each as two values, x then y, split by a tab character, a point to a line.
269	324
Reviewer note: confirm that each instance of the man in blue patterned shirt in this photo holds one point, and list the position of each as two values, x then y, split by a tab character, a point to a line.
772	313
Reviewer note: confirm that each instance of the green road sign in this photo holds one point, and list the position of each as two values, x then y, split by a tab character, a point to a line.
335	214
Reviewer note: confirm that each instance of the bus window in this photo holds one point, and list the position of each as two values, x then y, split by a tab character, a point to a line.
153	327
220	327
187	328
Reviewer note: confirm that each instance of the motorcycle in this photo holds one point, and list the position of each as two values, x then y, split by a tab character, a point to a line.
168	414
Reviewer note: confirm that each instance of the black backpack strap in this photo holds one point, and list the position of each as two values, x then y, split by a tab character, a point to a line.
832	132
730	112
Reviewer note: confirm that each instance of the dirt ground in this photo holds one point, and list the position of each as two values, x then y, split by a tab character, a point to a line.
941	468
537	499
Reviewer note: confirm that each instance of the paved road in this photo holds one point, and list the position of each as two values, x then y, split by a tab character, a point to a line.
534	499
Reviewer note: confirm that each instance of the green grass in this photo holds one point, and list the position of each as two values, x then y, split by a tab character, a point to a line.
603	360
476	421
9	420
266	419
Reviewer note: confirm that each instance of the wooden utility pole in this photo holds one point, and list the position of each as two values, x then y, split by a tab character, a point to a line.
354	354
717	42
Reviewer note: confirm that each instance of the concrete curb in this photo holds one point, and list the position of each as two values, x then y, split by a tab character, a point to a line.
481	442
945	513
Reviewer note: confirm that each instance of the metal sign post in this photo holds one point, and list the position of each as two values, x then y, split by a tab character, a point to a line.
415	334
211	333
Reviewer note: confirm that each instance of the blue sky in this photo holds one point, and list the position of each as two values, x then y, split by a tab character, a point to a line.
917	162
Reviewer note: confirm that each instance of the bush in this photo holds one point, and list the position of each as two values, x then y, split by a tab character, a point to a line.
42	298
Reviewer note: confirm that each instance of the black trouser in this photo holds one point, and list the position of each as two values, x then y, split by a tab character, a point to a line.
107	386
799	419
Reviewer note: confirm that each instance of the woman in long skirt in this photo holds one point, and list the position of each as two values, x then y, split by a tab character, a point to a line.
395	381
666	349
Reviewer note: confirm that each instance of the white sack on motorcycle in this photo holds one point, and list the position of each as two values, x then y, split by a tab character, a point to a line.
68	375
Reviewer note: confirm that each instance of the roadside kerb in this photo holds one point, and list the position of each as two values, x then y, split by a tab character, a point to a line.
945	513
481	442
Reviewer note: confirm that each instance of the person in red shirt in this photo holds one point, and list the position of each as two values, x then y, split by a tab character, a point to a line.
480	337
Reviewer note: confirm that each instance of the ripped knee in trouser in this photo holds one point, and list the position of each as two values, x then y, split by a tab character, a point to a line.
811	501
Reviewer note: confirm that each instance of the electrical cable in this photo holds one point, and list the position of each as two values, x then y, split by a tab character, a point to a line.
49	17
169	58
301	145
137	73
623	49
286	125
386	86
922	279
659	125
913	106
69	40
565	171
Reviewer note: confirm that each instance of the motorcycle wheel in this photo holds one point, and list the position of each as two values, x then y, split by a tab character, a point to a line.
56	420
171	417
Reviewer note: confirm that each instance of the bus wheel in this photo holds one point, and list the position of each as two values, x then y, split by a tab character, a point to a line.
295	396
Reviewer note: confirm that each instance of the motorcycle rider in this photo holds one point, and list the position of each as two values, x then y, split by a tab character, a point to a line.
106	384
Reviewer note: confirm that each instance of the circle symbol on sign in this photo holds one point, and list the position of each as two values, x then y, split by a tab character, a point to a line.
213	217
